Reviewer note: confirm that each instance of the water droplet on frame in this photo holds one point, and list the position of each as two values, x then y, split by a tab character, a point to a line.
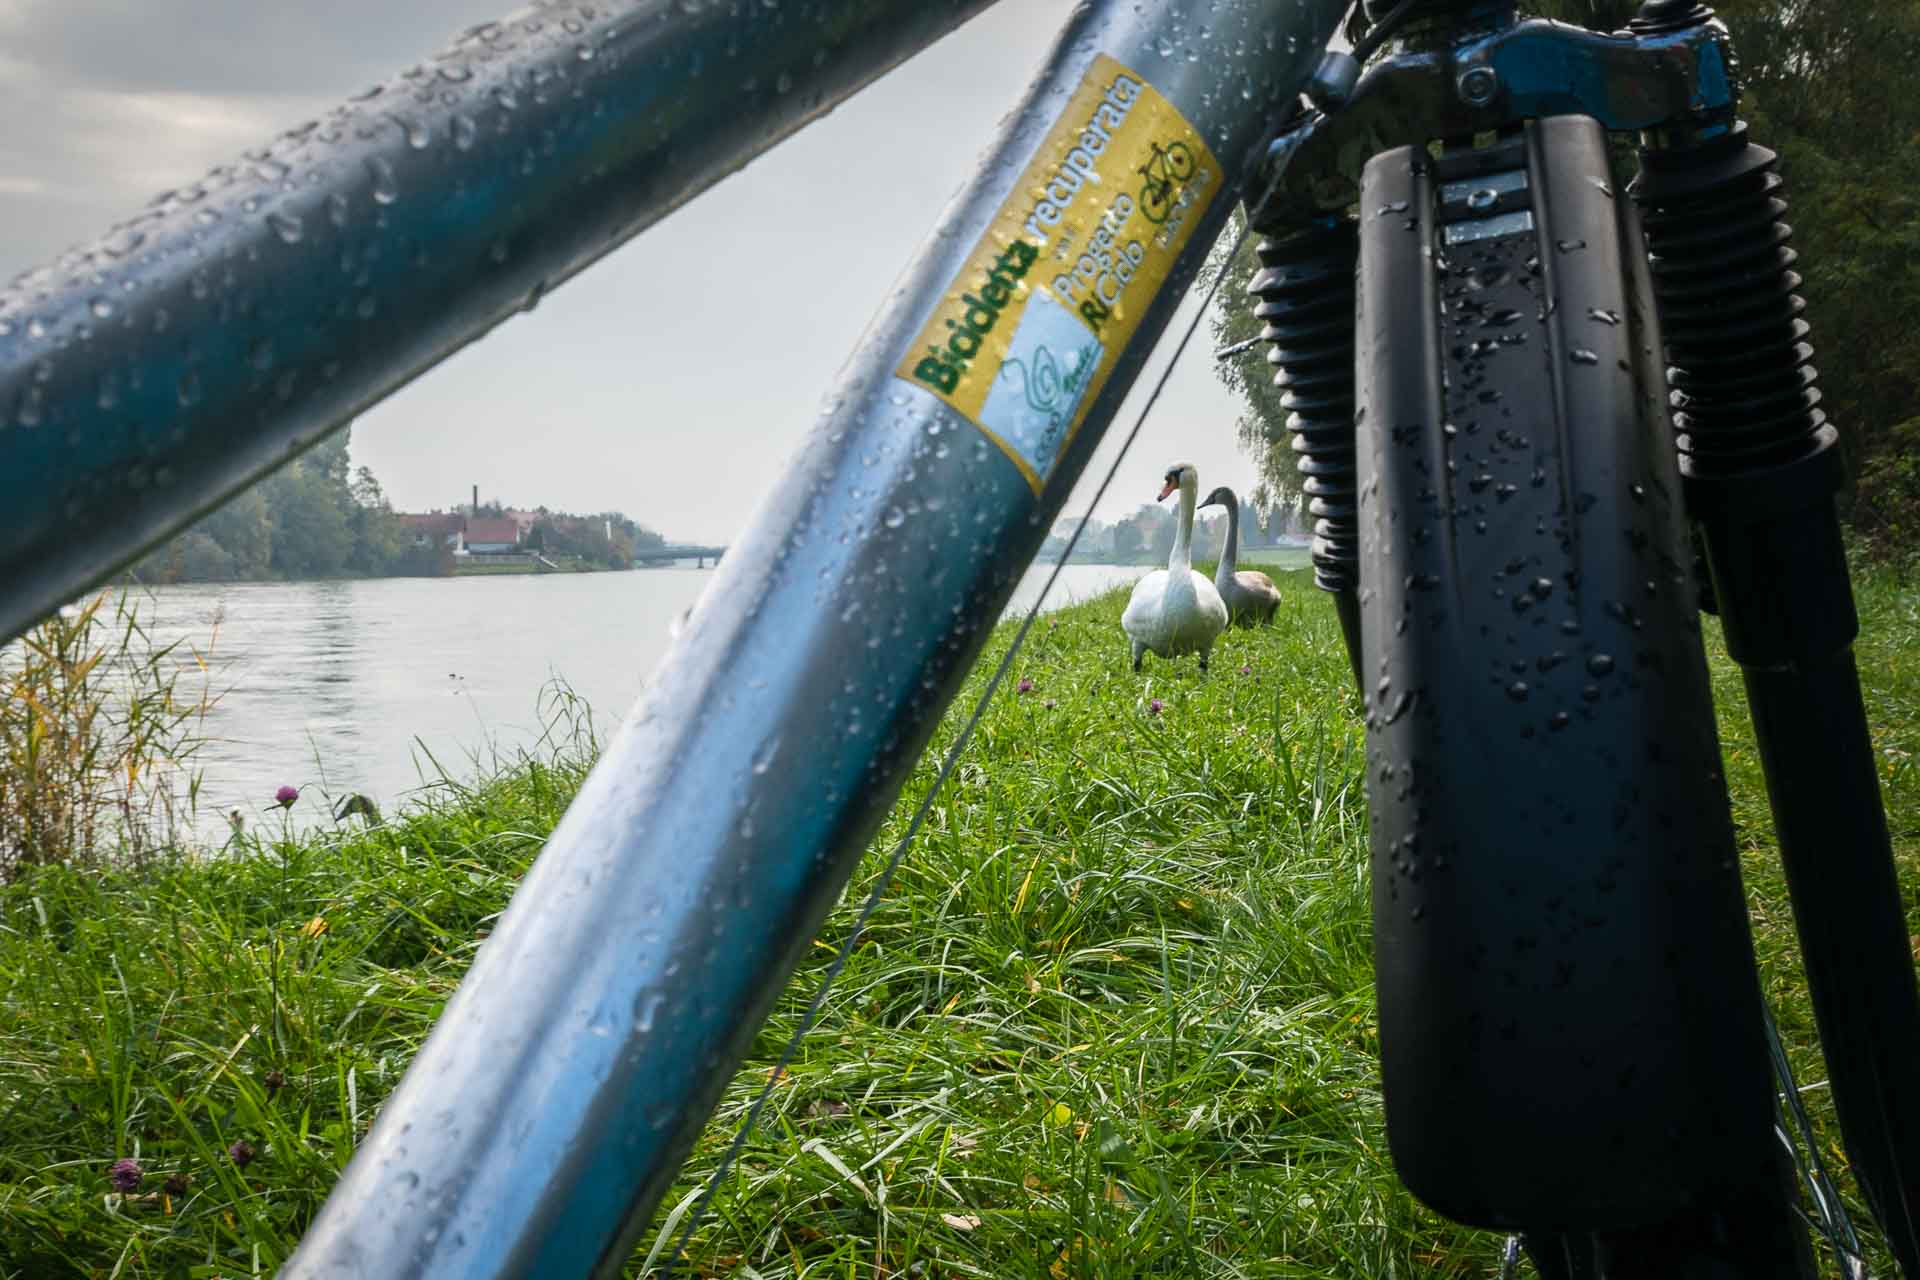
286	225
418	136
385	188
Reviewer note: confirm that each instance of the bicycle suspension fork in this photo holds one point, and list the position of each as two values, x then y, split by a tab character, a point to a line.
1306	293
1761	467
1760	470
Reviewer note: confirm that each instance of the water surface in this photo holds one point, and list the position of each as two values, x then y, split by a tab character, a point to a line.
377	686
382	686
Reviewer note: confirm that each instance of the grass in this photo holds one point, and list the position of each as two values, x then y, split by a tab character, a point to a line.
1115	1017
97	738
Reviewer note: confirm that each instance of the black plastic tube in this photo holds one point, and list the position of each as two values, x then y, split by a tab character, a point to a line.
1784	595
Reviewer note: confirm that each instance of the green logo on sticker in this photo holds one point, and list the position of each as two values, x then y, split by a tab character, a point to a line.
942	367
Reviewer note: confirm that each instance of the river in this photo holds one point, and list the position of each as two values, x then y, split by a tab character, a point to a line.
375	686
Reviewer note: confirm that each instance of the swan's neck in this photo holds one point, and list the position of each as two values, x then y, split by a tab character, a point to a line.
1230	555
1182	557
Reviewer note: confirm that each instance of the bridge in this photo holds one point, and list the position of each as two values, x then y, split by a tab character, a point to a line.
671	551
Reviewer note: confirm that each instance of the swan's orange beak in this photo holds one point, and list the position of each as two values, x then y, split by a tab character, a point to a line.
1166	489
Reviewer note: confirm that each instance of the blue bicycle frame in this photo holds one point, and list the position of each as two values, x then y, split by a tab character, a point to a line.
235	322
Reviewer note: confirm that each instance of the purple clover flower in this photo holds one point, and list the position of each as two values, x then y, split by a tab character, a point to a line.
1154	707
125	1176
285	796
1246	671
241	1153
1025	686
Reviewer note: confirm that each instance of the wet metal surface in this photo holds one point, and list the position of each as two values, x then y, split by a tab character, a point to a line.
541	1123
237	320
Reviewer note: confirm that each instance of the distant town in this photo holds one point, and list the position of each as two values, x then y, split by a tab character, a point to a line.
319	517
490	538
1146	536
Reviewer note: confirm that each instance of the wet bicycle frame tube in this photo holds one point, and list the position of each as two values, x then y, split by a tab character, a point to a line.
548	1112
237	320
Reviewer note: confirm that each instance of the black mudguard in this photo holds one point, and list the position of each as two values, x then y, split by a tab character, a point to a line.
1569	1015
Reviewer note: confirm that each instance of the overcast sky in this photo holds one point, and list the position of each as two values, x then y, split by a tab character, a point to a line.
601	398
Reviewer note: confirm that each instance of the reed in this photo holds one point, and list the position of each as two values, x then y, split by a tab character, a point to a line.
99	726
1115	1017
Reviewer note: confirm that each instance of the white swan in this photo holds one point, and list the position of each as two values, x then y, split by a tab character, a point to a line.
1250	597
1175	610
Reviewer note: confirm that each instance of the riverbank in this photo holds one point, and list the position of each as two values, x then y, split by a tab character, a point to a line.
1115	1017
466	566
374	687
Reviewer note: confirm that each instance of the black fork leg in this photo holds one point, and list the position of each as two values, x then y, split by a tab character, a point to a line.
1755	1237
1810	724
1761	466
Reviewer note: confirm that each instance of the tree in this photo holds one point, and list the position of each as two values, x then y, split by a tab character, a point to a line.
1209	537
319	517
310	504
379	542
1835	90
243	529
203	560
312	537
1262	424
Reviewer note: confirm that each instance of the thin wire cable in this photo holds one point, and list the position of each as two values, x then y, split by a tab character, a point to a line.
1834	1223
899	855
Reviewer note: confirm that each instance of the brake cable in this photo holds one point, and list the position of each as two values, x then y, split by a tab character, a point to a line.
947	765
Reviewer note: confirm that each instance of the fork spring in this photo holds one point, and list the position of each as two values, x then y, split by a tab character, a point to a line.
1740	368
1305	292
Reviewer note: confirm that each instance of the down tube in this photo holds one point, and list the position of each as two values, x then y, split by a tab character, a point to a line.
548	1112
230	324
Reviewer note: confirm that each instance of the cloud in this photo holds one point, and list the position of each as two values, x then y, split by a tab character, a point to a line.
673	380
101	147
248	47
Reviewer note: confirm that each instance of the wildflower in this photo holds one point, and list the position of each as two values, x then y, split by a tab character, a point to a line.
1153	707
238	821
1049	704
275	1082
177	1184
125	1176
241	1153
1246	670
285	796
1025	686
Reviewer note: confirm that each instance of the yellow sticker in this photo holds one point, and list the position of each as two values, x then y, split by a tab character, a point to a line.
1031	328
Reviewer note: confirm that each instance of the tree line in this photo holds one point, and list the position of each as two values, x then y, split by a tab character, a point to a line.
1835	90
320	517
1148	533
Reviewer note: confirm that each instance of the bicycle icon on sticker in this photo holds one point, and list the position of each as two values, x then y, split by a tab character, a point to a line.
1166	171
